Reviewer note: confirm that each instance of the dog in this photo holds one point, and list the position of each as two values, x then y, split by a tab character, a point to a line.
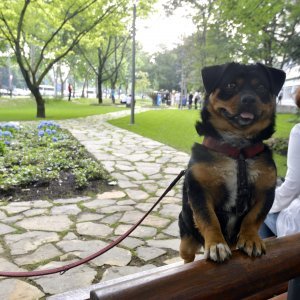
230	182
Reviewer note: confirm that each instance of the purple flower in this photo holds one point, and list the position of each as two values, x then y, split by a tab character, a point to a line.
41	132
48	131
7	133
54	139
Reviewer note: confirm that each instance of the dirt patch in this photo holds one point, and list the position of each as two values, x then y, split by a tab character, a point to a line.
56	189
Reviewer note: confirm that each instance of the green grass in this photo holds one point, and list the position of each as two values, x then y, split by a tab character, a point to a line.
284	124
176	129
25	109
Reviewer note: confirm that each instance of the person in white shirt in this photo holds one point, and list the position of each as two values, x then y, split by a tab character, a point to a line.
128	101
284	216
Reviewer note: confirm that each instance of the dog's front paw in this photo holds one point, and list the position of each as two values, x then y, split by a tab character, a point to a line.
217	252
252	245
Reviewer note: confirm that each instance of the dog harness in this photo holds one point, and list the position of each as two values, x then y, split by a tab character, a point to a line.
244	192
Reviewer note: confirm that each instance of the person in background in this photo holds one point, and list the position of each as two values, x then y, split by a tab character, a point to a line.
158	99
128	101
177	99
112	94
284	216
196	99
70	91
191	96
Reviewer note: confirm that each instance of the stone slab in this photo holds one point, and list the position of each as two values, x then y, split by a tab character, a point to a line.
16	289
46	223
93	229
45	252
4	229
29	241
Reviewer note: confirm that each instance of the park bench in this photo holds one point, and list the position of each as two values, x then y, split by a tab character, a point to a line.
240	278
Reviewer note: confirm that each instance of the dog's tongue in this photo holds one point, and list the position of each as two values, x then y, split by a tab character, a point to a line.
246	115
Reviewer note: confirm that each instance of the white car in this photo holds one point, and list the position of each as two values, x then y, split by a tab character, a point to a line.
47	90
20	92
4	92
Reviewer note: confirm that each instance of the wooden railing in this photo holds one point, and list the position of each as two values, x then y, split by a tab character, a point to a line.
241	277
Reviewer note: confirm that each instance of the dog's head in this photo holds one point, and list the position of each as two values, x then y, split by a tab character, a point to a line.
240	101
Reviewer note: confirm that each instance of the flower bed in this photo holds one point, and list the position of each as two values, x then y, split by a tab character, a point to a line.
45	161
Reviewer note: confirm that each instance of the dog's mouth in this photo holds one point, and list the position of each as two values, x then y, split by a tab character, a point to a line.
243	118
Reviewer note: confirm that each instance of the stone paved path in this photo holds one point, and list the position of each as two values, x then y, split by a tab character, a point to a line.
53	233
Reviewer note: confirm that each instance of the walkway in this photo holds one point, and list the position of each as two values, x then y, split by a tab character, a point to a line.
54	233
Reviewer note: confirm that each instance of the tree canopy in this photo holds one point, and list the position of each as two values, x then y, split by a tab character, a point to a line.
43	32
240	30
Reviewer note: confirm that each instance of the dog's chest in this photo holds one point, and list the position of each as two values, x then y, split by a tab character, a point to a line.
231	205
232	176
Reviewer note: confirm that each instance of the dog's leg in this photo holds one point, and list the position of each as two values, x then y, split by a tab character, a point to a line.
206	221
208	225
248	239
188	248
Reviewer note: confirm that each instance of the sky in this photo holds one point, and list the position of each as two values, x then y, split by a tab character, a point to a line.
159	31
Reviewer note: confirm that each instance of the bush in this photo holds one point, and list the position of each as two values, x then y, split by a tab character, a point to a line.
279	145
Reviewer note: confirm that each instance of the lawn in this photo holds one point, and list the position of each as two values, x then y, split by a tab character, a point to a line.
171	127
176	129
25	109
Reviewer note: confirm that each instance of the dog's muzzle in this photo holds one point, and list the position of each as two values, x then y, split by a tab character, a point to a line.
246	115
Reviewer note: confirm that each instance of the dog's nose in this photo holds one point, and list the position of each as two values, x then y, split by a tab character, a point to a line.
248	99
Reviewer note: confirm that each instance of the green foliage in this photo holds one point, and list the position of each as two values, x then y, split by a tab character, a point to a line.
39	158
2	148
243	31
279	145
263	28
164	71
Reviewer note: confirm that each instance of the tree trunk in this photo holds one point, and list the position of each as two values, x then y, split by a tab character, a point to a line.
40	103
100	97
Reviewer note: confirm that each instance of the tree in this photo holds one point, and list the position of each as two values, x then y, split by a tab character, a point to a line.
117	62
263	28
164	70
256	30
106	65
50	28
203	47
142	82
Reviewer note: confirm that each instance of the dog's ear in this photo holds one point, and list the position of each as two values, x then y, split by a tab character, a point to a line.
276	77
211	76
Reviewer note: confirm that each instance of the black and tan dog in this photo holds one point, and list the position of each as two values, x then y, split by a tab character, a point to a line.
230	182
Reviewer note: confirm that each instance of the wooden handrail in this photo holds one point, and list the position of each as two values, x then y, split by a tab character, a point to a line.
238	278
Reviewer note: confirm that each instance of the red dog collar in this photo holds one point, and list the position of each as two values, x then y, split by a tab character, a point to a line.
231	151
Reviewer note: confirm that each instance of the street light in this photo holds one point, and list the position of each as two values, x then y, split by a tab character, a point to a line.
132	104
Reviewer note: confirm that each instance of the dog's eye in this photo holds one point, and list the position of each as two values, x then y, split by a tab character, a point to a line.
231	86
261	88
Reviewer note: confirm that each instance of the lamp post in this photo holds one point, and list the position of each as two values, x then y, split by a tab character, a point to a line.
132	104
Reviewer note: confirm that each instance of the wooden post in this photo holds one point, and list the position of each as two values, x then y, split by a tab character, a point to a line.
238	278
